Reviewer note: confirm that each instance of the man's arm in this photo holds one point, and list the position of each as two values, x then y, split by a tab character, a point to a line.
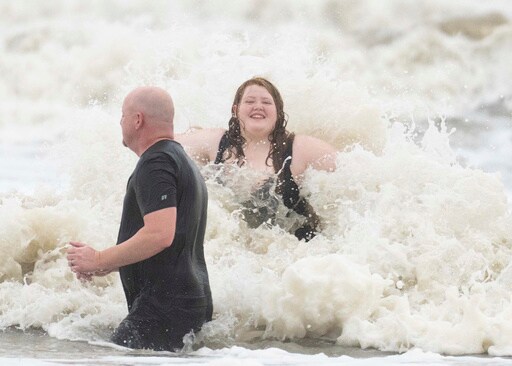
156	235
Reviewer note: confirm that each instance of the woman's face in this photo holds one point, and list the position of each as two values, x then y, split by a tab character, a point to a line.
257	112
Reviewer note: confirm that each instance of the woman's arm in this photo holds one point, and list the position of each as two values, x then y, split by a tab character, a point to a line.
312	152
201	143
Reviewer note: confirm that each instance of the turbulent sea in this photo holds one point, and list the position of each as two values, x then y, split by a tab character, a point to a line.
413	263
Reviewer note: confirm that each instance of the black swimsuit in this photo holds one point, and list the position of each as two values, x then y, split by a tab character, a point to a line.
286	187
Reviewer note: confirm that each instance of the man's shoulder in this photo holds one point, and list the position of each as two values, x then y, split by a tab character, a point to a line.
162	150
156	160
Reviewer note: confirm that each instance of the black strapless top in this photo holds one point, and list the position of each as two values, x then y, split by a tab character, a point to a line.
286	187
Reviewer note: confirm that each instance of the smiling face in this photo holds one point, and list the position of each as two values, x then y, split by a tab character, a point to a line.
256	111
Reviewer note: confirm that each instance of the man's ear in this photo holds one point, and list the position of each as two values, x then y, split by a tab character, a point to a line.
140	120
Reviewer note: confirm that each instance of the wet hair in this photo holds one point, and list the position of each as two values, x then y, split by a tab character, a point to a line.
277	137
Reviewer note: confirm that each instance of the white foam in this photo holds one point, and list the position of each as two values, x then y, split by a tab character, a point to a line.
415	246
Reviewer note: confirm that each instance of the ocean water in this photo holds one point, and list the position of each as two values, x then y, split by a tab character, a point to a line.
413	264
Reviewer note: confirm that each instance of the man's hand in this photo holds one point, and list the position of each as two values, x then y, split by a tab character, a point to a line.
84	277
87	276
84	260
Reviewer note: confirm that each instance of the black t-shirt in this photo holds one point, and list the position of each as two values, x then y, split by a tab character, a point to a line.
166	177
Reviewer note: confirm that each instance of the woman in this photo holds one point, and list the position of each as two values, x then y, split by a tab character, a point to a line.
257	139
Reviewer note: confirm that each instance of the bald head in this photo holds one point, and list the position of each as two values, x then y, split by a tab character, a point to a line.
147	117
155	104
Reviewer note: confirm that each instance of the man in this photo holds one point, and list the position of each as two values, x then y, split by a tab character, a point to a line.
159	251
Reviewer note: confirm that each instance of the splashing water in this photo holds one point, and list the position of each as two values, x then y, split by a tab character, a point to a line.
416	241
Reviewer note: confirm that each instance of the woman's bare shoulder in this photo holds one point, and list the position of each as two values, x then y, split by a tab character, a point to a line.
314	152
311	144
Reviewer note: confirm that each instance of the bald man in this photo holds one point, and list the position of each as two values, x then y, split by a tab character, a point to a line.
159	251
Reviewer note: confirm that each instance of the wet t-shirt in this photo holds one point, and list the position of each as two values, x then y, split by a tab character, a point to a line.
177	276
